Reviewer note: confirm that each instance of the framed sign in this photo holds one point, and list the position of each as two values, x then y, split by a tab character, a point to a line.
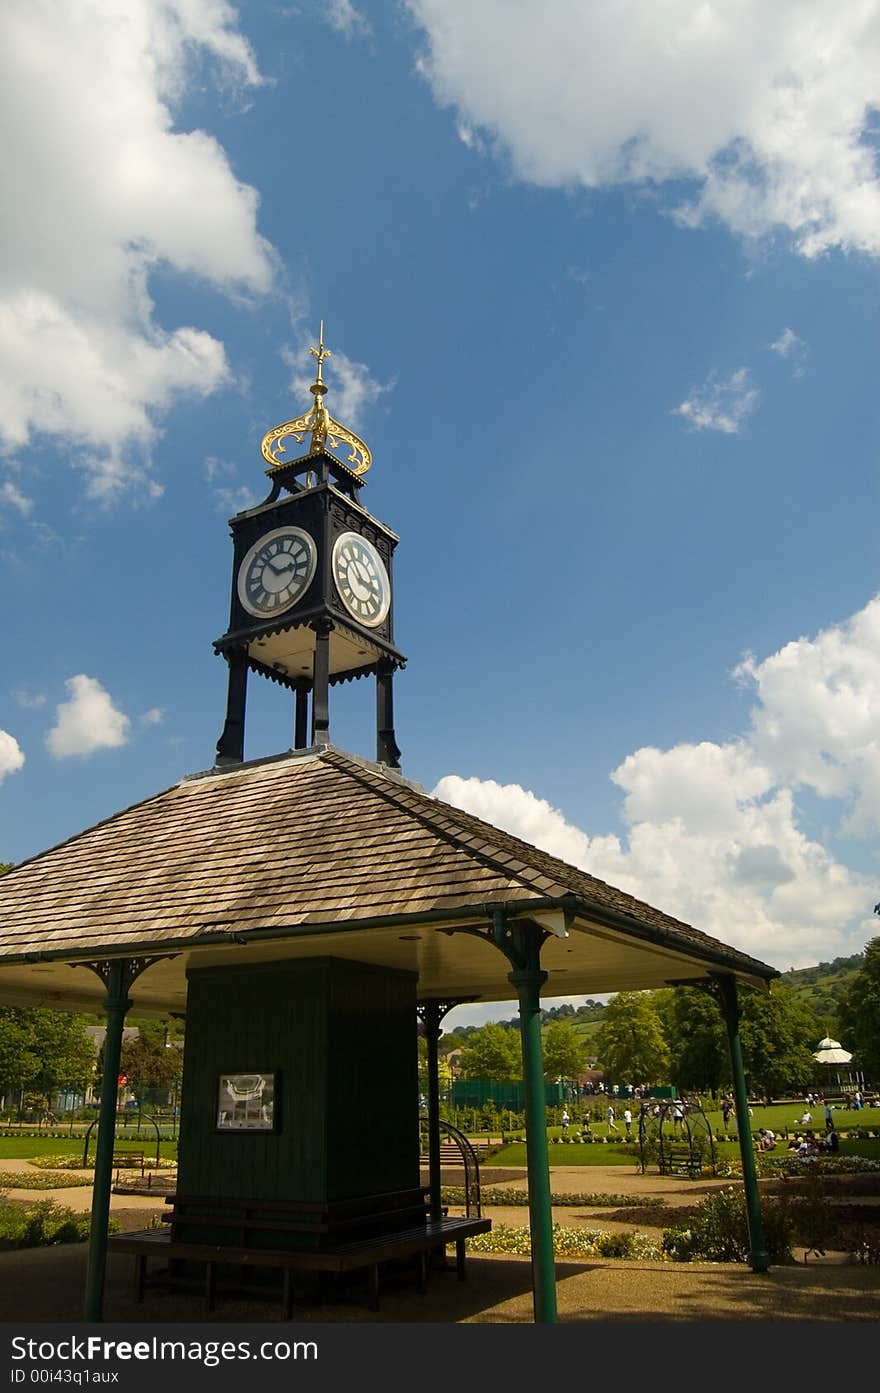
246	1102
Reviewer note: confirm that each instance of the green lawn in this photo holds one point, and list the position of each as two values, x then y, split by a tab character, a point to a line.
20	1148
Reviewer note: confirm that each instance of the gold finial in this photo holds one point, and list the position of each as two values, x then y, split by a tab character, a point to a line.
320	353
324	429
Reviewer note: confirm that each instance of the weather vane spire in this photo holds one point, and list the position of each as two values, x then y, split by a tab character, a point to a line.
320	353
317	422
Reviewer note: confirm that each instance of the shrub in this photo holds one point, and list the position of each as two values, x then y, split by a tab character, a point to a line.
40	1224
718	1231
618	1245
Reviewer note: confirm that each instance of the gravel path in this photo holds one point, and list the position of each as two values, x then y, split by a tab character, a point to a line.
46	1284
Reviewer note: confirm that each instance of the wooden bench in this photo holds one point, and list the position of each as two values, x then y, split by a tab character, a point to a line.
129	1160
678	1160
367	1253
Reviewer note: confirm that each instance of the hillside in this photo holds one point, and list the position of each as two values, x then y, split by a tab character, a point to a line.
821	987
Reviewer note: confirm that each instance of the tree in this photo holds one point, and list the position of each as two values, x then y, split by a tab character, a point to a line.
777	1033
630	1041
493	1052
65	1054
562	1050
149	1062
18	1062
694	1030
860	1013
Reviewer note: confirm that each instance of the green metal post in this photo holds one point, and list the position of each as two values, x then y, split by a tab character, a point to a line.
758	1255
116	1004
431	1014
528	982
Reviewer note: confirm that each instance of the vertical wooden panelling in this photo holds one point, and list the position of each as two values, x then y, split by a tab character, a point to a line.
268	1017
342	1037
372	1103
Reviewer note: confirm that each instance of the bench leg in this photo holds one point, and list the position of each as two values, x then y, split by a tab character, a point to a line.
374	1287
288	1292
421	1271
459	1259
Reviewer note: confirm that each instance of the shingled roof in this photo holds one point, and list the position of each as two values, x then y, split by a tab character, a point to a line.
302	847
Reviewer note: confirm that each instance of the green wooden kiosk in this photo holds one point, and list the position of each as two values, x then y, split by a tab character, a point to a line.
294	907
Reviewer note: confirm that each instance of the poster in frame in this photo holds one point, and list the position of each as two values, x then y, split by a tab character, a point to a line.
246	1102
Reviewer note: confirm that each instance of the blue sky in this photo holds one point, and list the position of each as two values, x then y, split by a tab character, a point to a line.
601	287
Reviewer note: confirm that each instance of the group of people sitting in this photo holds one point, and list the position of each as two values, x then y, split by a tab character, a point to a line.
810	1145
804	1144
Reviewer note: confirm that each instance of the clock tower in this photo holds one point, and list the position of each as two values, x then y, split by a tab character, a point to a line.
312	598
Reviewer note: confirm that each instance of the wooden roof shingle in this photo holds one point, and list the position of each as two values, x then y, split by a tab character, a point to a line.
314	838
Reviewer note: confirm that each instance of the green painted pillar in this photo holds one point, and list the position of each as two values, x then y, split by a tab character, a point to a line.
758	1256
116	1004
431	1013
528	982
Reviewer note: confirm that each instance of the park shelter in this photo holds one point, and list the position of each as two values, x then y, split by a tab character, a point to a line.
296	907
321	857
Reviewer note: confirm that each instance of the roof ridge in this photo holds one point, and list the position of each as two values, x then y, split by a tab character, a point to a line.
555	862
405	795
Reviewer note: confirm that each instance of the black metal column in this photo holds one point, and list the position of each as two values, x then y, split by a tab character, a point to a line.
431	1013
387	751
230	746
301	717
321	686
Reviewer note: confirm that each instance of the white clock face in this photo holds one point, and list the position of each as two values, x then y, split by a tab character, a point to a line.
276	571
361	579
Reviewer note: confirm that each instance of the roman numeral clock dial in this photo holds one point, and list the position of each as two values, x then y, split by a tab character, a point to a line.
361	579
276	571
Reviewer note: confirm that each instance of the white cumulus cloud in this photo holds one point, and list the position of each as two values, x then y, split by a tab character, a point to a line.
101	188
88	721
764	111
714	835
11	755
723	404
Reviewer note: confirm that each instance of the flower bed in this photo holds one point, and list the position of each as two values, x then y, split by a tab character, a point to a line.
51	1180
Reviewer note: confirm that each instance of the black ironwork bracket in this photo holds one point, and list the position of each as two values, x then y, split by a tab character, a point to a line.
131	969
433	1009
520	942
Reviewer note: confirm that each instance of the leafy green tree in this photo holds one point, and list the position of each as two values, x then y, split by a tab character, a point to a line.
562	1050
149	1062
694	1030
65	1054
18	1062
630	1042
860	1013
777	1033
492	1052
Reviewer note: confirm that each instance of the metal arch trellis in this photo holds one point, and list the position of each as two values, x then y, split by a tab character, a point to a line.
145	1117
677	1135
469	1163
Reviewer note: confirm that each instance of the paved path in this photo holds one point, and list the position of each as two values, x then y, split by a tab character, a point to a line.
46	1284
